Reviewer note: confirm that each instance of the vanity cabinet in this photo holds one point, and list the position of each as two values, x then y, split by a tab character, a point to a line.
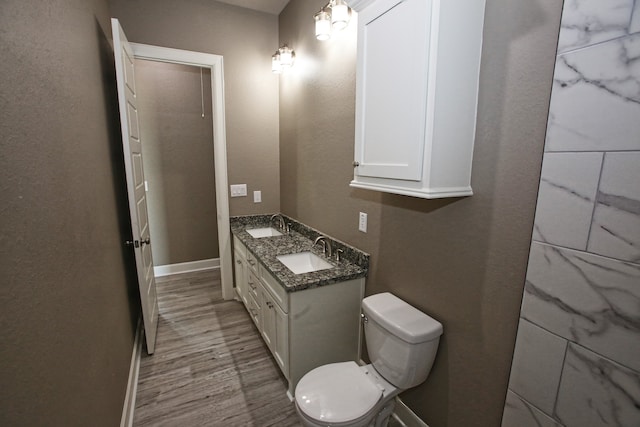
418	66
303	329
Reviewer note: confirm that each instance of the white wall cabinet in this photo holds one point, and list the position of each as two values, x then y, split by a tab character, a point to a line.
302	329
416	95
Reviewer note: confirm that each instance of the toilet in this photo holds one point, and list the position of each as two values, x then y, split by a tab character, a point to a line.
401	342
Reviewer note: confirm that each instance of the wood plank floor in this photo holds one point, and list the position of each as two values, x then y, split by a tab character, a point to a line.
211	367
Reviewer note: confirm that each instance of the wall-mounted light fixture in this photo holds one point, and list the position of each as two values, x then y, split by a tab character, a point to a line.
276	67
323	24
335	14
282	59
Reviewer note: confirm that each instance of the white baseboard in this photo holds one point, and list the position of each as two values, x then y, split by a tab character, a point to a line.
132	386
186	267
405	416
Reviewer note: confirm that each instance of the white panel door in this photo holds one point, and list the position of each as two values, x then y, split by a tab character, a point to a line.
132	145
393	61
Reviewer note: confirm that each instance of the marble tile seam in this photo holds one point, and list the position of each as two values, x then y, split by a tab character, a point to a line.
593	387
580	347
545	329
596	44
584	252
532	405
566	151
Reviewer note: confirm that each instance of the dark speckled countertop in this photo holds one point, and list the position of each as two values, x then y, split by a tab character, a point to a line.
353	264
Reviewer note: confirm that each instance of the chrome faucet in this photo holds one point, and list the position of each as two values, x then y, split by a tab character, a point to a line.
280	220
326	245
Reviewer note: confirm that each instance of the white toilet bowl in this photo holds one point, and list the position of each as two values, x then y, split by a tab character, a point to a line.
344	395
401	342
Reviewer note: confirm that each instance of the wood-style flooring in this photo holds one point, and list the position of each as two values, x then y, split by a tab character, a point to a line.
211	367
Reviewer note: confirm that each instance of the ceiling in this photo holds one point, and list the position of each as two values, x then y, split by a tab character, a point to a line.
273	7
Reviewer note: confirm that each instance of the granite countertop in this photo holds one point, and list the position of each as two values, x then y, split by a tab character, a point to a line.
353	262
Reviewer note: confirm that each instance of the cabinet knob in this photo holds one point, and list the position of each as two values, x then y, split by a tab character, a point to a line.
356	164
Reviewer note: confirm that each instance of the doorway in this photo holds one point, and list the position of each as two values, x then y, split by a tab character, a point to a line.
214	65
174	110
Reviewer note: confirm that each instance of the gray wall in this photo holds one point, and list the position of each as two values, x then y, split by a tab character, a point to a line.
246	39
68	297
461	260
577	358
178	160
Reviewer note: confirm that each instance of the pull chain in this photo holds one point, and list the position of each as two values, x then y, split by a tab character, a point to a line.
202	92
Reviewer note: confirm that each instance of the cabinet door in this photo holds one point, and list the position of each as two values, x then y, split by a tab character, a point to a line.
391	91
281	343
275	332
241	277
268	320
255	310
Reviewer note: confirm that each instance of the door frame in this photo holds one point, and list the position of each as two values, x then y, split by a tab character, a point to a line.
215	64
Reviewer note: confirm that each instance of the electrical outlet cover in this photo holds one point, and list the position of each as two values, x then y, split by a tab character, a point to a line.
238	190
362	223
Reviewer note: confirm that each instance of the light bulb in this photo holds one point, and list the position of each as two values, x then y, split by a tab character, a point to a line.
276	66
323	25
286	56
340	14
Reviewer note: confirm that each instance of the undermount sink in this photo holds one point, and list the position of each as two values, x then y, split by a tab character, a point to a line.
303	262
258	233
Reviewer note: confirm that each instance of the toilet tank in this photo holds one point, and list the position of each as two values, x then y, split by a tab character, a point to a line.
401	340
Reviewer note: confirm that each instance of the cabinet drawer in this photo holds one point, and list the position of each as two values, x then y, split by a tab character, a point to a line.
253	282
275	289
252	262
254	311
239	247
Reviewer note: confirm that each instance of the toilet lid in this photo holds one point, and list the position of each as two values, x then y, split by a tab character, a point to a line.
337	393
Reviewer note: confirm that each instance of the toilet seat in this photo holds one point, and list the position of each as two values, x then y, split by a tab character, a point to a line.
337	393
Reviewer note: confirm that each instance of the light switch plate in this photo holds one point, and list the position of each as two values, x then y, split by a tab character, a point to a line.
257	196
362	223
238	190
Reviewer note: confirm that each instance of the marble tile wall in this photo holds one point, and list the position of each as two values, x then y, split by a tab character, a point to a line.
577	355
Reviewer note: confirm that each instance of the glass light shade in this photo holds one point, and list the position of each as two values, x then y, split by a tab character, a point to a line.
340	15
276	66
323	25
286	56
